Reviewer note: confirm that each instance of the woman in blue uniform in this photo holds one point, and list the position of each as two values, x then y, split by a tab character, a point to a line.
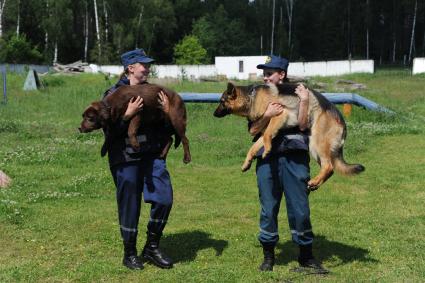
138	174
285	172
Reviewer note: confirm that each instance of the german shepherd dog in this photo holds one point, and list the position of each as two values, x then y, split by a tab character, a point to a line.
100	114
327	127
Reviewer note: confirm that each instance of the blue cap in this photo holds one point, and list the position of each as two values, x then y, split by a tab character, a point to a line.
275	62
135	56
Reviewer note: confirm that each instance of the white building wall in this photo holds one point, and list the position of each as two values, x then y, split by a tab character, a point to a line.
164	71
115	70
418	66
188	71
230	67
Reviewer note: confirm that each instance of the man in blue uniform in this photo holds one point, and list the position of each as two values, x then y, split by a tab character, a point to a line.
140	173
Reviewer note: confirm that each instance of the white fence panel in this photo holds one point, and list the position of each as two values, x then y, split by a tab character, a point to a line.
335	68
184	71
362	66
245	67
418	66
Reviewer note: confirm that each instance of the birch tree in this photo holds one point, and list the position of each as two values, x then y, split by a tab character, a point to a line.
97	29
290	10
105	14
272	37
57	24
46	32
349	29
86	31
2	4
139	24
367	27
19	18
412	38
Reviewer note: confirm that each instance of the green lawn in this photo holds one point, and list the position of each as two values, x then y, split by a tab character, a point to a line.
58	220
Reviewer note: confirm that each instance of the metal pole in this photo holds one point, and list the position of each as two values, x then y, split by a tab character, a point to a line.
4	88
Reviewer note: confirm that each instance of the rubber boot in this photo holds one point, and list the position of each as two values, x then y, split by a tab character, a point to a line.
269	258
131	260
153	254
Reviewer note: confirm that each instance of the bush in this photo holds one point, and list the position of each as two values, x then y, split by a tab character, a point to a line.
190	52
18	50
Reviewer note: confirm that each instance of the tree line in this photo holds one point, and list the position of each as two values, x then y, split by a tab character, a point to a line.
195	31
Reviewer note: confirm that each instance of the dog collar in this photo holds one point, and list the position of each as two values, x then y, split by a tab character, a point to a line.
252	90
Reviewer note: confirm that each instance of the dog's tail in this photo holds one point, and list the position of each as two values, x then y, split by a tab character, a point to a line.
343	167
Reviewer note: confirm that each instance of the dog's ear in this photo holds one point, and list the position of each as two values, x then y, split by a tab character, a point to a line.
231	90
104	112
90	110
101	111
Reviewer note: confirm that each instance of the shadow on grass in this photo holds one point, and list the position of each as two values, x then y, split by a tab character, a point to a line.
184	246
324	249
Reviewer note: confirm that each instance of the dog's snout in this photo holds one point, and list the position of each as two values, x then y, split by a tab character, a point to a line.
221	111
217	113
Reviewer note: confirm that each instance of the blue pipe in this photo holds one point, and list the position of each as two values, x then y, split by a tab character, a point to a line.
336	98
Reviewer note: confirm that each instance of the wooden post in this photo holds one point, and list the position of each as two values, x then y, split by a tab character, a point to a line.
346	109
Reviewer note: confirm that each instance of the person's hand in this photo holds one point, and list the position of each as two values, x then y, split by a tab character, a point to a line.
164	102
134	105
302	92
4	180
273	109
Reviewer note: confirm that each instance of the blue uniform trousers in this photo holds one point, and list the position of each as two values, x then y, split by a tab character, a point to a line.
150	177
284	174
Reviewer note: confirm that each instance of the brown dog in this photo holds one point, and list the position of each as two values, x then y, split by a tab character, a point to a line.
101	113
326	124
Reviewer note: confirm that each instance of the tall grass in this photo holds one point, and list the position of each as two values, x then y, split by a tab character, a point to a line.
58	220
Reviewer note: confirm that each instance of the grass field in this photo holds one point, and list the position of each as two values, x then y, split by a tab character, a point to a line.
58	220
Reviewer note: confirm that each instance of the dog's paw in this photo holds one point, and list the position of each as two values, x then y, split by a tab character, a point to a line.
265	153
187	159
312	186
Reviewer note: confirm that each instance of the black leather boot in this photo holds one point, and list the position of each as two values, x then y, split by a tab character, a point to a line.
306	253
308	263
131	260
269	257
152	253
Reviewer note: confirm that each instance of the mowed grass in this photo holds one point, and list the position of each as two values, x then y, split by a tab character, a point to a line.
58	220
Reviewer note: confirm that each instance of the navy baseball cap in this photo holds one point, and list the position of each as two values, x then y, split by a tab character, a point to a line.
135	56
275	62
